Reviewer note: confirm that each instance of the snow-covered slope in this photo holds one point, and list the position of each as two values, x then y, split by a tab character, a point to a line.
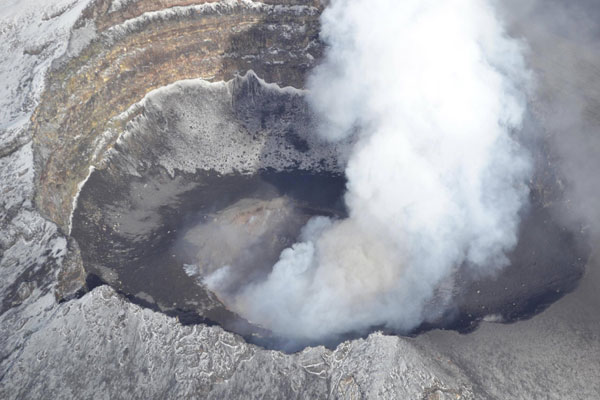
32	35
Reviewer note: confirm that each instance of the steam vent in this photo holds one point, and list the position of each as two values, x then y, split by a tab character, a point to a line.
161	160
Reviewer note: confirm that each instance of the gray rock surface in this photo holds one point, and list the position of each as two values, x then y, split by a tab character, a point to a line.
555	355
101	346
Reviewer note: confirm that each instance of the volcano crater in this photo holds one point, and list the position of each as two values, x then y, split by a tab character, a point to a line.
213	174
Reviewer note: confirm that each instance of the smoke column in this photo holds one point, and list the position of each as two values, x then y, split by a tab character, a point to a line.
433	92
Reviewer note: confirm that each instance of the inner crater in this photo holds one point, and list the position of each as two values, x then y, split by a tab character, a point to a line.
212	175
206	175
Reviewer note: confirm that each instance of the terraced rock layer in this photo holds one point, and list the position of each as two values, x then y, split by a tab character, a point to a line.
74	125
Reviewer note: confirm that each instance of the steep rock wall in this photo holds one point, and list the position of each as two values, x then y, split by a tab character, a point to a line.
123	62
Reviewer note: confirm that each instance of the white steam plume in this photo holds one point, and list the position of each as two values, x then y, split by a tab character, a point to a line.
435	180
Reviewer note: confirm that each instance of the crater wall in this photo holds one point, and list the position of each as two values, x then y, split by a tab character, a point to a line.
138	48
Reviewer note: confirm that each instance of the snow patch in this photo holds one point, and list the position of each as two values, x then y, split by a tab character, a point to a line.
16	180
117	5
497	318
81	38
80	186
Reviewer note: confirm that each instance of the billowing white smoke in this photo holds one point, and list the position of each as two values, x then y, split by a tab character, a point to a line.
433	90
